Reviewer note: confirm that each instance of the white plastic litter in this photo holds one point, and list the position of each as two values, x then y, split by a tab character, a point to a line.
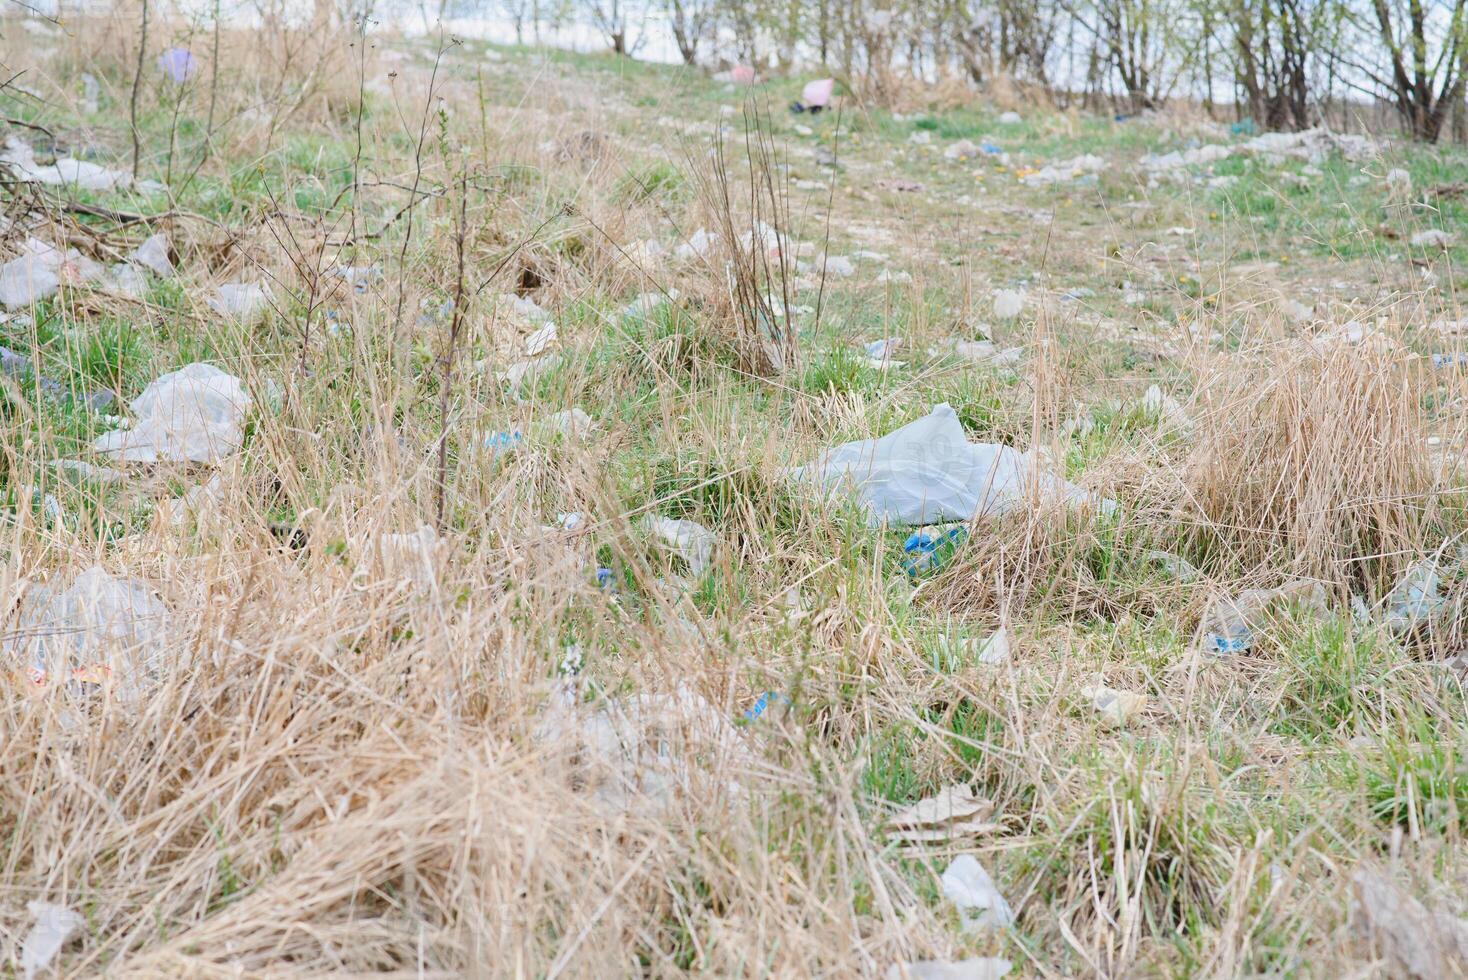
1433	238
153	256
572	423
195	414
1415	941
405	559
644	748
967	885
128	281
245	302
1115	707
26	280
520	372
693	542
538	342
1008	303
1228	625
1085	165
973	968
53	927
927	472
697	246
646	304
358	277
1417	598
1010	118
100	630
995	649
21	160
953	813
1170	415
840	266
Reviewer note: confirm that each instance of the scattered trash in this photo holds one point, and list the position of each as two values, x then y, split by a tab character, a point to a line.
177	64
572	423
1010	118
502	443
1398	185
693	542
195	503
81	470
879	353
967	885
646	304
195	414
995	650
1170	415
643	748
1433	238
1415	941
403	559
762	703
929	552
814	96
65	172
153	256
1179	568
1227	627
606	579
973	968
1008	303
358	277
927	472
954	813
698	246
1087	165
538	342
127	280
1417	598
245	303
962	150
1115	707
520	372
51	931
100	631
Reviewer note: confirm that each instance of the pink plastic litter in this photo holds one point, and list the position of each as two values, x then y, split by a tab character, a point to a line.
816	94
742	75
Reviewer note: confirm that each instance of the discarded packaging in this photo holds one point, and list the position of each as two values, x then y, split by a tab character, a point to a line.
102	630
973	968
195	414
927	472
244	302
1008	303
405	559
1228	626
693	542
646	747
52	929
1115	707
955	812
1415	941
1417	598
967	885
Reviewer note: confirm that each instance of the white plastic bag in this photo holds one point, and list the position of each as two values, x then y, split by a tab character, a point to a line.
243	302
194	414
927	472
52	929
967	885
693	542
102	629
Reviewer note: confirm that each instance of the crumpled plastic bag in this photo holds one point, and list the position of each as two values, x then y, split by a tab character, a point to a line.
51	931
927	472
40	269
973	968
409	559
968	886
195	414
153	256
645	748
1415	941
100	630
693	542
953	813
244	302
1228	625
1417	598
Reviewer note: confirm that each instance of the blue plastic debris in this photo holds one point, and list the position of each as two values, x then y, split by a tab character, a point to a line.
503	442
764	701
929	552
605	579
1244	127
989	149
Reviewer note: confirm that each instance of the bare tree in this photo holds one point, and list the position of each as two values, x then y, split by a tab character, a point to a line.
611	18
1425	47
691	22
1274	42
